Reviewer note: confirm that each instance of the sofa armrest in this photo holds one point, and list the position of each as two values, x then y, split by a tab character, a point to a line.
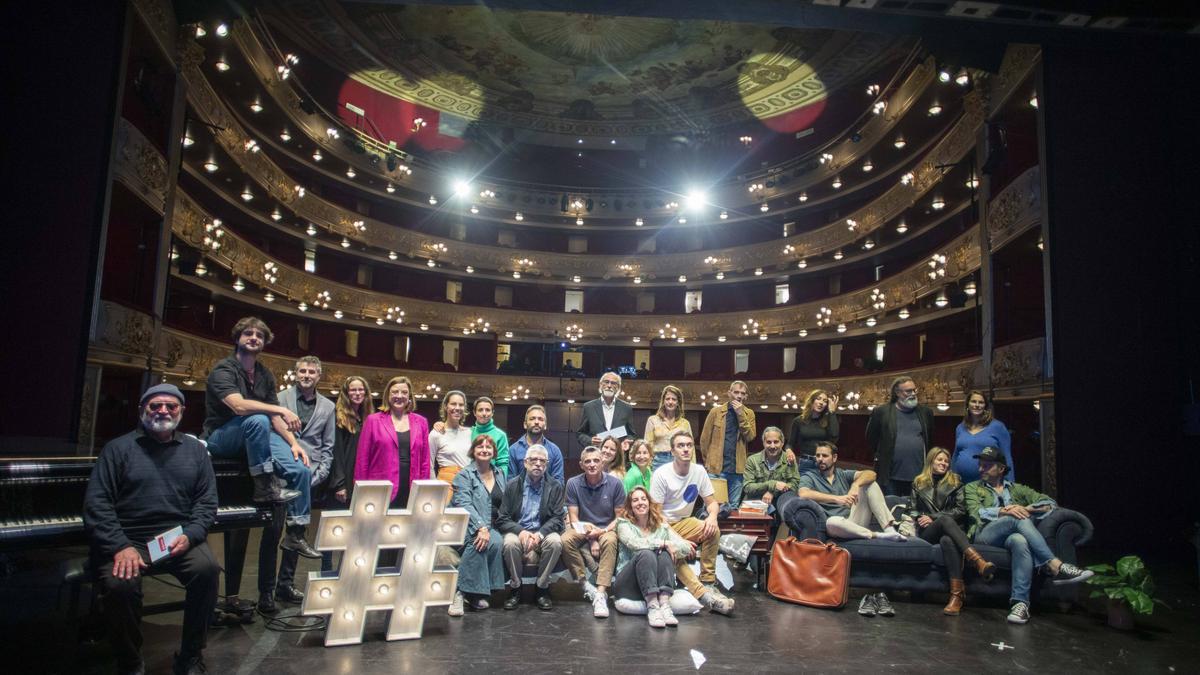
1065	530
804	517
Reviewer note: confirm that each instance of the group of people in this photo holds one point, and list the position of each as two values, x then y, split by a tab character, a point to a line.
627	526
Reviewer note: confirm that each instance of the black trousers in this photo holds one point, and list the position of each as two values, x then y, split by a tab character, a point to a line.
945	531
121	599
897	488
649	573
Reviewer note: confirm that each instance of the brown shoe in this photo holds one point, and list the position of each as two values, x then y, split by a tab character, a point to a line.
958	595
985	569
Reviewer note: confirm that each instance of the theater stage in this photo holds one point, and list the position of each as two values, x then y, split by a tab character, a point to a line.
764	635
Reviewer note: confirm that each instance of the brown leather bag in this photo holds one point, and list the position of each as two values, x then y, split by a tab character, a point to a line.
809	572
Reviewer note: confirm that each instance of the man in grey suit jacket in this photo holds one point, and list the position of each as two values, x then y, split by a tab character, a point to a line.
605	413
318	419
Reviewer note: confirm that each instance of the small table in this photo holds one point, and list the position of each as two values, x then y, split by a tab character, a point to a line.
756	525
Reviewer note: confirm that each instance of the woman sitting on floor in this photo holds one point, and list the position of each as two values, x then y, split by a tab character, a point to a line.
478	489
647	558
937	497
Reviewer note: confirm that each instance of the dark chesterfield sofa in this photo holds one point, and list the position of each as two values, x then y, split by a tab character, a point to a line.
917	566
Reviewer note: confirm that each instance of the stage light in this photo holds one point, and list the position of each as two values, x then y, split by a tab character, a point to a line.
935	110
222	30
221	65
461	187
899	143
901	227
210	166
837	183
317	156
696	200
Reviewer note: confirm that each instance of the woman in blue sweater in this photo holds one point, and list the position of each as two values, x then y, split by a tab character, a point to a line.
977	431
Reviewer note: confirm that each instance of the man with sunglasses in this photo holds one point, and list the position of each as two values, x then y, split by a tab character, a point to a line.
153	488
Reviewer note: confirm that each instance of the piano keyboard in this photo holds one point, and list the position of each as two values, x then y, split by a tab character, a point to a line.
29	531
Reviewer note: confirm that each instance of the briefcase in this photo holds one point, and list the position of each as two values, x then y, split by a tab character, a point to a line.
809	572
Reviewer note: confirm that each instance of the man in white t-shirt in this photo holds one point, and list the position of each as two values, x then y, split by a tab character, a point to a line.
676	486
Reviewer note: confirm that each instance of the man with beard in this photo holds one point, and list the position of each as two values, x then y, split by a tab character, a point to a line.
146	484
728	430
531	519
604	414
851	499
899	434
318	422
535	434
244	416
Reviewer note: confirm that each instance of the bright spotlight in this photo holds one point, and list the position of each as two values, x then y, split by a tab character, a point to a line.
461	187
696	200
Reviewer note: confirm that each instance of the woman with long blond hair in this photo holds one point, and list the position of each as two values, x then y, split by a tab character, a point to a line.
648	554
817	422
353	405
937	498
664	423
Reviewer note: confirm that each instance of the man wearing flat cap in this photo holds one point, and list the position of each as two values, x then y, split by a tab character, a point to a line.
1003	513
153	491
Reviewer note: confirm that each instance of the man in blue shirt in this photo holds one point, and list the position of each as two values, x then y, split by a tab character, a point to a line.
531	518
535	434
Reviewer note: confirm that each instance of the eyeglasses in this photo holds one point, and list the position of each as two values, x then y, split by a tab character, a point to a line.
170	407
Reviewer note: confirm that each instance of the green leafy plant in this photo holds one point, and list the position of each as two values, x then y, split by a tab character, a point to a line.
1127	582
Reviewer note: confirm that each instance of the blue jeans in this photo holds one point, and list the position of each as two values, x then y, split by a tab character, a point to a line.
660	459
1026	546
266	452
734	483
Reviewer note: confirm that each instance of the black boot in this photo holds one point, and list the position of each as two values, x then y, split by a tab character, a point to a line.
294	541
188	665
269	488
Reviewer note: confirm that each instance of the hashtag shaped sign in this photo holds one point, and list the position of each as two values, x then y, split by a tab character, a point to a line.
369	527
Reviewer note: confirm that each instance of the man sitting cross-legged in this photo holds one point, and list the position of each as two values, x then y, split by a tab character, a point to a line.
851	499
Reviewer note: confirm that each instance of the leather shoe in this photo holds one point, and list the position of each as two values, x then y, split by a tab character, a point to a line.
289	594
544	602
270	488
266	604
296	543
514	599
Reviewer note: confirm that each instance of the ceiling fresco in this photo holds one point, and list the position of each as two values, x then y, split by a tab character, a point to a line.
582	74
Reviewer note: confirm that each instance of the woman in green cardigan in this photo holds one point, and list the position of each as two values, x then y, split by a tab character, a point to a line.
641	455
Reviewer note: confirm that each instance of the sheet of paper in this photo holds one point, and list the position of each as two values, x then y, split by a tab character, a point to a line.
160	546
617	433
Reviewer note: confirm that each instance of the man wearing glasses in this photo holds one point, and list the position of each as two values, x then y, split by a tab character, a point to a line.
606	414
531	520
153	490
899	433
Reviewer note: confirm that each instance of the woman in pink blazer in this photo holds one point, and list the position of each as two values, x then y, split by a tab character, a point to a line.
394	444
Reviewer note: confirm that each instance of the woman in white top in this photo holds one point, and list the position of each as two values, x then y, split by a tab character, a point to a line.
665	422
450	439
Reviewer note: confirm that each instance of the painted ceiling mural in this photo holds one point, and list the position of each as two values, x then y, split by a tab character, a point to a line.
582	74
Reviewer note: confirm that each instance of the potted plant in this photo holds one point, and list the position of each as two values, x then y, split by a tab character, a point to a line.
1128	588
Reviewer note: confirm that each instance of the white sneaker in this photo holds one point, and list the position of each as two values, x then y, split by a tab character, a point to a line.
891	534
589	590
668	616
655	617
456	605
600	605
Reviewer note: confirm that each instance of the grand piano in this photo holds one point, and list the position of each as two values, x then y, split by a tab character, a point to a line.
41	506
